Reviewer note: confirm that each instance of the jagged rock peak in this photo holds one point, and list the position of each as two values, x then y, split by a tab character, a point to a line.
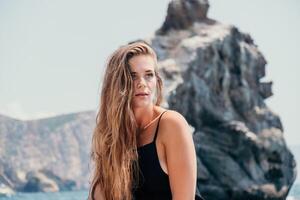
182	14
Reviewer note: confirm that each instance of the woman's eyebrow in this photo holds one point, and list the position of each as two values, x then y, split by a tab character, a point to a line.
145	71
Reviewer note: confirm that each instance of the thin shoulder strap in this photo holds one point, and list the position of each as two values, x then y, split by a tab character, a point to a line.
158	125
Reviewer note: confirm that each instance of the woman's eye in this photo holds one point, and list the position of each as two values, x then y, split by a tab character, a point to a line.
150	75
133	76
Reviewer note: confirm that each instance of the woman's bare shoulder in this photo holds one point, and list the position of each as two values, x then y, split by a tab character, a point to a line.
172	116
173	124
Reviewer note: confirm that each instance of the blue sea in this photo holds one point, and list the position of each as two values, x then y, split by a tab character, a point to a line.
82	195
72	195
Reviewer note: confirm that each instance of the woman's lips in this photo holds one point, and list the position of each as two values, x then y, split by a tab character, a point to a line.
142	95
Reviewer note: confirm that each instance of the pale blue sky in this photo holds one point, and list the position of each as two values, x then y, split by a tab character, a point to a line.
52	51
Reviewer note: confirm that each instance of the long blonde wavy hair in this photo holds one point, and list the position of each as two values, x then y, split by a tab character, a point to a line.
114	142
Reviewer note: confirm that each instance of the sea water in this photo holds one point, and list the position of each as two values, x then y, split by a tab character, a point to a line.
82	195
72	195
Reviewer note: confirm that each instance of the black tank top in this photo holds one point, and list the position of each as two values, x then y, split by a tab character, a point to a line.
153	181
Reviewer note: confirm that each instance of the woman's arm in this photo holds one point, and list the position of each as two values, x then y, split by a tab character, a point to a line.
181	156
98	193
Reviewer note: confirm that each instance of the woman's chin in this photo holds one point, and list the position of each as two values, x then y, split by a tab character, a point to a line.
140	104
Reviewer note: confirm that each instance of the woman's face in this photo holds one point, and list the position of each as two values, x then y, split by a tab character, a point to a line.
144	80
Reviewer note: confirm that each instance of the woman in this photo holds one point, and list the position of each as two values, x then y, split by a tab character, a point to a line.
140	150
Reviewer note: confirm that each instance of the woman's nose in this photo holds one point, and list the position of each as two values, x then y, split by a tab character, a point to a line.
141	82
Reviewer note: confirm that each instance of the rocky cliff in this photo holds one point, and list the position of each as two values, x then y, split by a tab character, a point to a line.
212	74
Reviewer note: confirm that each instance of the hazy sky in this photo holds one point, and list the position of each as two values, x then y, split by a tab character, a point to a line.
52	51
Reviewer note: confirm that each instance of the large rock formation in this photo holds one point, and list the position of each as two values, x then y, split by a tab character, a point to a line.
212	74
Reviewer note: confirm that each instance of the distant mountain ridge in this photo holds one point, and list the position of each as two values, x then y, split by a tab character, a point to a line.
59	144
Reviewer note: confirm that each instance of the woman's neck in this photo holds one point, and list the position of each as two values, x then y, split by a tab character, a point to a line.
145	116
